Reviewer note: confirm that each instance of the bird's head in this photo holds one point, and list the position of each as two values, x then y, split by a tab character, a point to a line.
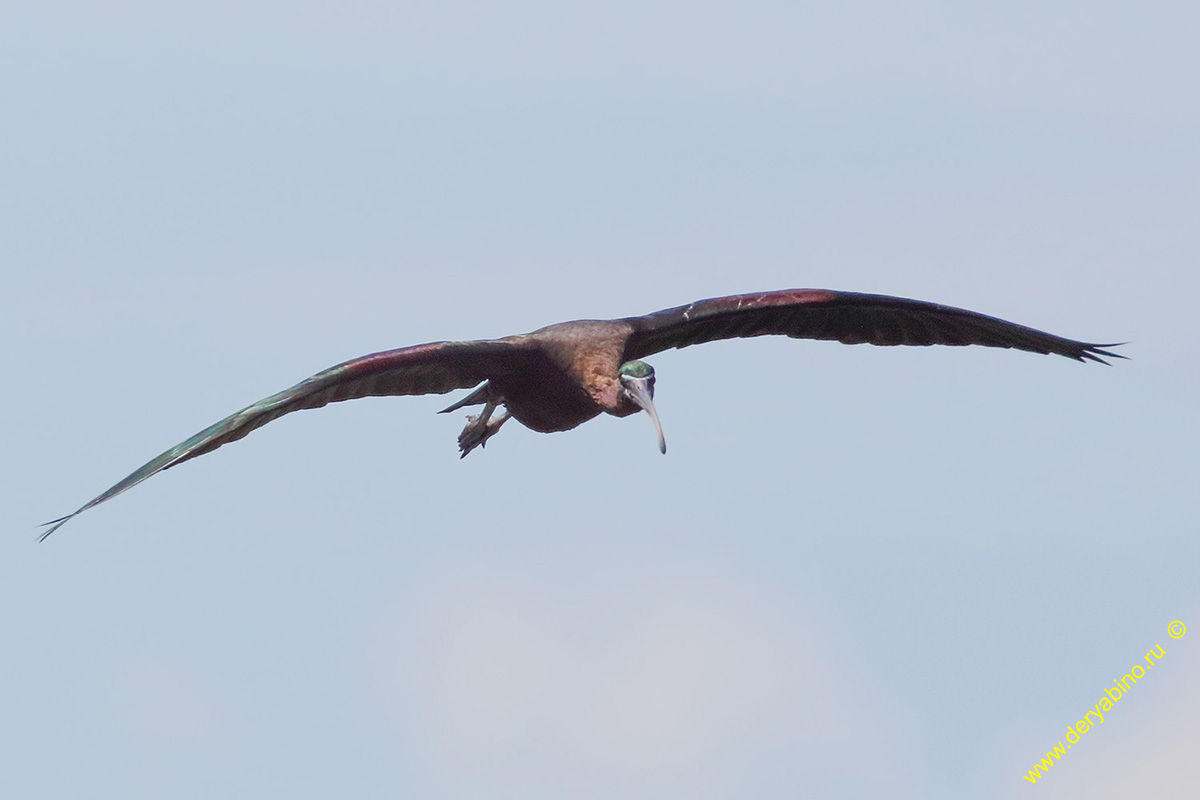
637	384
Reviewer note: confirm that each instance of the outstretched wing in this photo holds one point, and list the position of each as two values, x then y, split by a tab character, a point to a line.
846	317
434	368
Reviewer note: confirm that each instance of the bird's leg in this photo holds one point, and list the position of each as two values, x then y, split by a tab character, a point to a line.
480	428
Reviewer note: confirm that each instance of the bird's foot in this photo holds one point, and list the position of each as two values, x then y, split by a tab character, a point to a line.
479	429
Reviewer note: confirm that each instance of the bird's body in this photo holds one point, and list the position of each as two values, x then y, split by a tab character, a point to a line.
565	374
571	379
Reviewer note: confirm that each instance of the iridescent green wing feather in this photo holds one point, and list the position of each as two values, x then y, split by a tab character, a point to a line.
847	317
434	368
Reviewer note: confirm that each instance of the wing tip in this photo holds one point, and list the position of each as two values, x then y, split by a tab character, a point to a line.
1097	353
55	524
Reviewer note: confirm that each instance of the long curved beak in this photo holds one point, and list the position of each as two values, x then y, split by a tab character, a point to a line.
639	392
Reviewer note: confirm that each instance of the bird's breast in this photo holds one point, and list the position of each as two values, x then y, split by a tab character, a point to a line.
547	400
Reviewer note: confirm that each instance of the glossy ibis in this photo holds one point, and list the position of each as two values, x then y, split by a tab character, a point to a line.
565	374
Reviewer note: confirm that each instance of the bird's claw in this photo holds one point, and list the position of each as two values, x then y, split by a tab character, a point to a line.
480	428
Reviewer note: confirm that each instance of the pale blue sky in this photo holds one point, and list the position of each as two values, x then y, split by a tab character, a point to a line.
858	571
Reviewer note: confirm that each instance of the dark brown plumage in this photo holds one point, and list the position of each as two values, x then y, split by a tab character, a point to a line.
560	376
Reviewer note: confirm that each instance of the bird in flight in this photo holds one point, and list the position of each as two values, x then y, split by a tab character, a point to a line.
560	376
